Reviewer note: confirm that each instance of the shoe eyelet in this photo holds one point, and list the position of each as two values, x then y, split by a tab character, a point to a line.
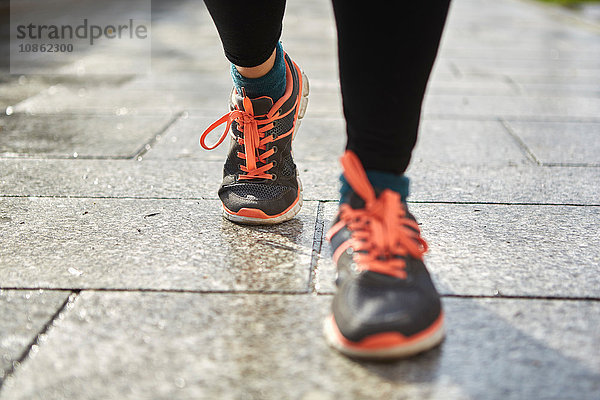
274	149
273	177
274	163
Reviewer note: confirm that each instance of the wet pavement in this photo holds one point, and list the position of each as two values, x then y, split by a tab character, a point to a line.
119	279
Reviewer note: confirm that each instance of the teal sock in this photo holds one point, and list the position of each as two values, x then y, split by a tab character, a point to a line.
272	84
379	180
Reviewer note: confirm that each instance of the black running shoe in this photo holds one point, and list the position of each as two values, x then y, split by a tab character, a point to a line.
260	180
386	305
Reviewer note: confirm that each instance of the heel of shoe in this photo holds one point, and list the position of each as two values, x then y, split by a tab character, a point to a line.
303	102
304	96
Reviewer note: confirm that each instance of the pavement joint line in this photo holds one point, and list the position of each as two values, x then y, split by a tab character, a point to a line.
37	157
327	114
63	157
36	340
475	203
571	165
26	196
77	291
316	246
524	148
503	297
149	144
452	52
521	297
174	291
494	203
96	111
515	118
548	78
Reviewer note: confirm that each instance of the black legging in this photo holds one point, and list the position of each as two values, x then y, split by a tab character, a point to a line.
386	50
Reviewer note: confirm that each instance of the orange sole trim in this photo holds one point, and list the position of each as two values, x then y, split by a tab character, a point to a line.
387	340
334	229
260	214
341	249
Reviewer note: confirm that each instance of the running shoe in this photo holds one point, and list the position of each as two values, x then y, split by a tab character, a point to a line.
386	305
260	180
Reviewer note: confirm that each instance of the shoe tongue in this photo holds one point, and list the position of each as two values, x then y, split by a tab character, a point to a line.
260	105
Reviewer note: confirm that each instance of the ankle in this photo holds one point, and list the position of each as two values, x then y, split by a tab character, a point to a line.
259	70
379	180
271	83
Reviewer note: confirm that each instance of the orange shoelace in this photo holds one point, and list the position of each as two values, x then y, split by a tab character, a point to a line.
254	138
381	231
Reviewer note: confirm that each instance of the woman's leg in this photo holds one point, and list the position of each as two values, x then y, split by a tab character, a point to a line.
249	30
386	51
386	305
260	180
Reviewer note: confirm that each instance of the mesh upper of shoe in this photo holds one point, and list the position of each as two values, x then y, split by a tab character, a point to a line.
288	167
256	191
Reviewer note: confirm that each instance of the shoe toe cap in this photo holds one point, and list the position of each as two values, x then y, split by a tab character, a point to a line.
372	303
271	199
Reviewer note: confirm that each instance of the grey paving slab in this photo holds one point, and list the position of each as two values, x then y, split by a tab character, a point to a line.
561	143
483	250
218	82
511	107
585	83
18	88
507	53
62	99
474	80
431	182
548	57
317	139
443	182
182	141
539	79
23	315
149	244
561	89
74	136
154	345
322	139
110	101
110	178
14	91
485	87
187	63
475	24
550	67
483	143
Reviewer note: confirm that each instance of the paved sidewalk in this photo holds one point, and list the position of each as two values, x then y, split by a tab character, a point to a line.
120	279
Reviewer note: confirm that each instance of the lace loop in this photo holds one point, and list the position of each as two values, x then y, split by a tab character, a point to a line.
255	137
